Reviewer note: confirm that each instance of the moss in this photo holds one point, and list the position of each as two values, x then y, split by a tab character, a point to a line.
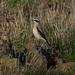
5	61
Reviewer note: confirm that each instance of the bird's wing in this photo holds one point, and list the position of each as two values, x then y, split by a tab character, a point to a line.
39	28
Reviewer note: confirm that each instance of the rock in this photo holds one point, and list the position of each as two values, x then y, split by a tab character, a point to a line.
7	65
59	60
4	46
34	57
65	66
52	59
20	54
4	49
63	69
7	62
45	57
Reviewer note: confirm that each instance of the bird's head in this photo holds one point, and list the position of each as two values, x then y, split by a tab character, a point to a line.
36	21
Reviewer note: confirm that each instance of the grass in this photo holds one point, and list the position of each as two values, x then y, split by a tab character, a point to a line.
38	71
57	19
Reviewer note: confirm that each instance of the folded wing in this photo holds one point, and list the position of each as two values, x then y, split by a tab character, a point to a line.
39	28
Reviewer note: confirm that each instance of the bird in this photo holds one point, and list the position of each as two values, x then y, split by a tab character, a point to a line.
38	31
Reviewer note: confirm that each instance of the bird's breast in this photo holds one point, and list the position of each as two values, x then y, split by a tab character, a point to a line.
36	33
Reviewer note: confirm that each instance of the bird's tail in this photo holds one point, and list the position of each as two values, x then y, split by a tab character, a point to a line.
46	41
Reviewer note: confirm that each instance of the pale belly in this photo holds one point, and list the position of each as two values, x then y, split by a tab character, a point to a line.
36	34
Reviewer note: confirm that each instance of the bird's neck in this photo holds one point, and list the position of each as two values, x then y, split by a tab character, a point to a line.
35	23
